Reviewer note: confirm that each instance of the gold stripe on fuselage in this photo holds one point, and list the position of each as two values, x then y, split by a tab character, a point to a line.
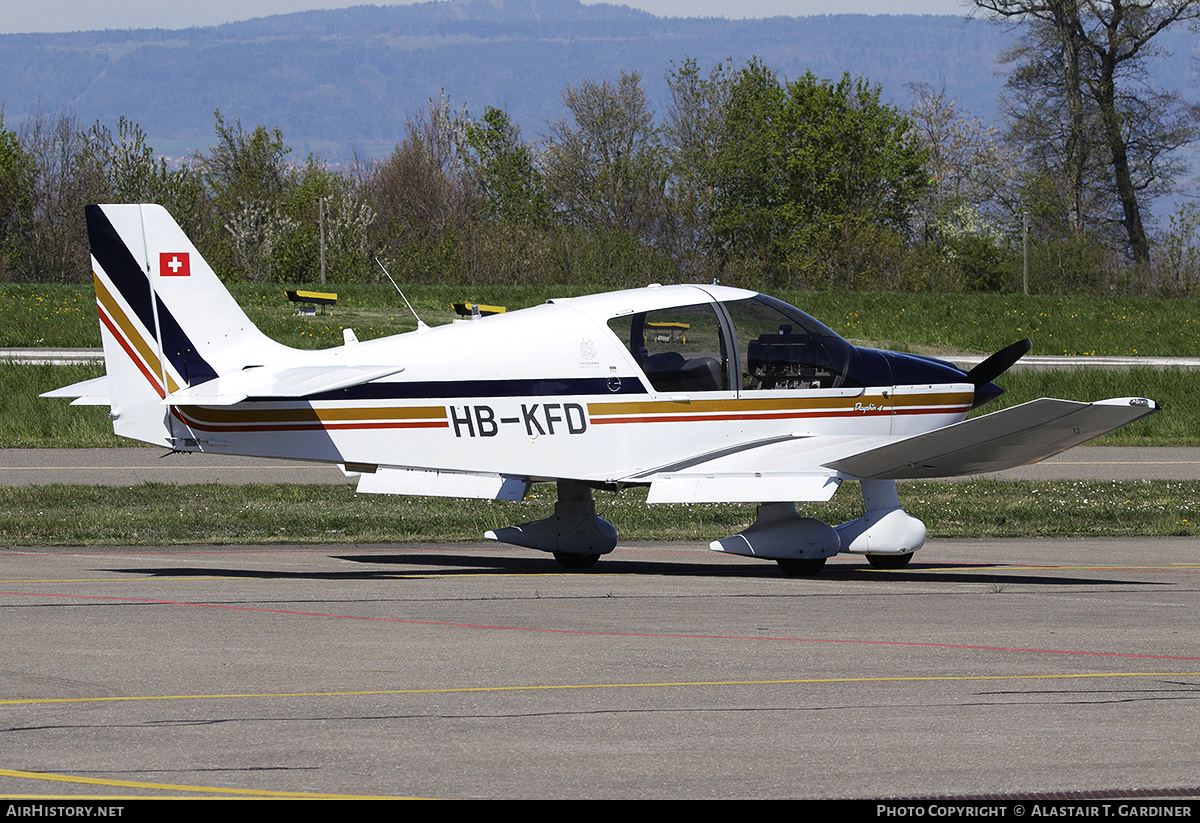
940	401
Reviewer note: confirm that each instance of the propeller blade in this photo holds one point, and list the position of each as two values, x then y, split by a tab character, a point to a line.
999	363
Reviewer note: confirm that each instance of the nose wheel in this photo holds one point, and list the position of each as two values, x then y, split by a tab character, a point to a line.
800	567
576	562
889	561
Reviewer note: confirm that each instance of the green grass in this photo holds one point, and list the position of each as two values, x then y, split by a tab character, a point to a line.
154	514
1177	424
48	315
29	422
938	323
63	315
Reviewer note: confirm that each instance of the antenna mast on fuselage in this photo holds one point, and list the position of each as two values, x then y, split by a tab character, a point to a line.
420	323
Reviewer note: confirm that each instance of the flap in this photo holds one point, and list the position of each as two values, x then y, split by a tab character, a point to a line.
482	485
742	487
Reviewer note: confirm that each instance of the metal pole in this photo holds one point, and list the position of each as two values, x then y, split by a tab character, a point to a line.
1025	250
321	203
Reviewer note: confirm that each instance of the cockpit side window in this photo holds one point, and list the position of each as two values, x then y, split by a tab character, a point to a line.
781	347
680	349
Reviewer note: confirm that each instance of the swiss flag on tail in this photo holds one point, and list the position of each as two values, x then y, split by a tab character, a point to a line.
174	264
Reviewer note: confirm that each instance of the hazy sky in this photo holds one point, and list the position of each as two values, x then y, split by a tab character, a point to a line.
76	15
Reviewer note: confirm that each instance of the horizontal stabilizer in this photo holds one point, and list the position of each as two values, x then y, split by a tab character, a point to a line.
479	485
741	487
1005	439
92	392
276	382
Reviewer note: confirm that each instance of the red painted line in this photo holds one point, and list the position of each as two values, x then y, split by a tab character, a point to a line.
424	424
286	427
934	410
137	361
700	418
383	548
669	636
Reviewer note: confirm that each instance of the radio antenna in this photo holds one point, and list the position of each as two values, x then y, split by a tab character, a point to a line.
420	323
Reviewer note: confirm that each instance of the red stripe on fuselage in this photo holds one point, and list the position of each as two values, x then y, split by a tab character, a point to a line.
286	427
700	418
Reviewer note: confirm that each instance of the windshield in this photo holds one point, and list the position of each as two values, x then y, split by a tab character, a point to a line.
781	347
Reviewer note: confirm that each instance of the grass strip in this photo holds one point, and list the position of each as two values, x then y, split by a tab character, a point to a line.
1175	390
158	514
31	422
65	316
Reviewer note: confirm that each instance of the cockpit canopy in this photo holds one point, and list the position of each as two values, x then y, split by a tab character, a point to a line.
754	343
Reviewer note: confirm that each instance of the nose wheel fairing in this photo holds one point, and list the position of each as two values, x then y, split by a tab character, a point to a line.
778	533
884	528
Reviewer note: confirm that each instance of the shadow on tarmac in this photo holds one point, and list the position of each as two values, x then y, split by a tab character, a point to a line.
427	565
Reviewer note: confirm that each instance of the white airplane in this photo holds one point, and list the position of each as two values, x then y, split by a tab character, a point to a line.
702	393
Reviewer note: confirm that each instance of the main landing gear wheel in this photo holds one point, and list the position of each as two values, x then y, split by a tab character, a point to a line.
801	567
889	561
576	562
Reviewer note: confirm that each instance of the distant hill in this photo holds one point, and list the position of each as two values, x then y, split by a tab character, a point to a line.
332	80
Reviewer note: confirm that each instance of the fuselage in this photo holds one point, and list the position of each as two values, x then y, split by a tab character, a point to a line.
607	388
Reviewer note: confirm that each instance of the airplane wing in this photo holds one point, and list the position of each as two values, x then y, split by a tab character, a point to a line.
1005	439
92	392
276	382
809	468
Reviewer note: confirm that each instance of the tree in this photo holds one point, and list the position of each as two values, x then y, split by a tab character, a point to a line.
347	223
500	166
695	120
964	154
245	167
813	175
605	167
247	176
16	202
419	188
1086	58
966	202
418	195
748	174
133	175
67	175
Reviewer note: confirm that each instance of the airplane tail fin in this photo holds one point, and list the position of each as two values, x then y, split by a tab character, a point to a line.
167	322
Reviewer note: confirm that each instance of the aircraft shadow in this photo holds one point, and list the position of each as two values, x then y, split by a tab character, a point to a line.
915	573
421	565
